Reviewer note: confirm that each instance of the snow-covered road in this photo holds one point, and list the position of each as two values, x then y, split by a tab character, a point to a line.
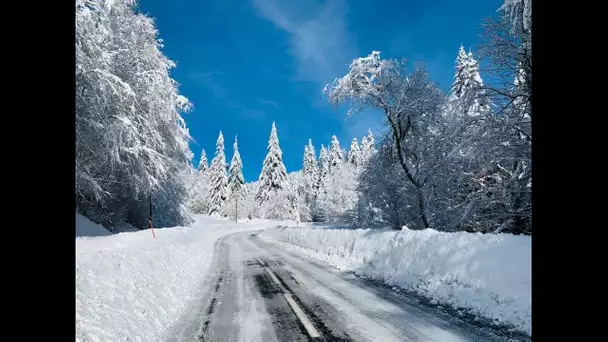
242	302
221	281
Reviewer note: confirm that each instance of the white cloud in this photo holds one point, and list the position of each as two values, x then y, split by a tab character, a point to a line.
319	38
322	48
210	81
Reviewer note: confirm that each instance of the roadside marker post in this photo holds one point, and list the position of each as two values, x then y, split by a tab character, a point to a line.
150	217
152	229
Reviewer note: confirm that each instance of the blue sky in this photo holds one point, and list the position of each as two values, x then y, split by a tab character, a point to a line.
247	63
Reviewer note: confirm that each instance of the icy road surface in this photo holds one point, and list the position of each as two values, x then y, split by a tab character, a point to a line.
255	291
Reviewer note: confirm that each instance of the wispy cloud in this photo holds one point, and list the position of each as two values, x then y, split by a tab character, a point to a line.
322	49
246	112
269	103
319	39
208	80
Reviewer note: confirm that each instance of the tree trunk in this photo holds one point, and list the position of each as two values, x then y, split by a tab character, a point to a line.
422	208
398	135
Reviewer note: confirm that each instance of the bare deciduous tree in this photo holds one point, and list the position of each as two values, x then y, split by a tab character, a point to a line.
412	105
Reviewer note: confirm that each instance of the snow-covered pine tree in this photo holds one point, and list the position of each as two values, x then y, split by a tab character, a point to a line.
461	76
363	147
467	102
218	179
203	165
200	195
293	198
354	153
273	175
337	196
323	168
336	158
310	173
304	209
467	97
317	212
368	147
236	181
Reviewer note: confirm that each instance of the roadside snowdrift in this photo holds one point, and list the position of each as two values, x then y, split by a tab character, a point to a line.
132	286
489	275
85	227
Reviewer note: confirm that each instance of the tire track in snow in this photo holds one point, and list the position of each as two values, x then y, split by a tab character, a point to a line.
363	312
327	333
211	309
253	316
286	326
190	325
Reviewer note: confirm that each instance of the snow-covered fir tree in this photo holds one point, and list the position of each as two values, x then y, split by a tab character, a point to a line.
462	76
218	179
336	156
466	103
272	177
363	148
297	180
236	181
323	168
337	199
467	96
310	172
293	200
277	206
368	147
317	213
203	164
354	153
200	194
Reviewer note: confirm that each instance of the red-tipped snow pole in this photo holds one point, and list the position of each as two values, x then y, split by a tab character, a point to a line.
150	217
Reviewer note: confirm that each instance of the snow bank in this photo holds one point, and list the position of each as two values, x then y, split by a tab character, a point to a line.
489	275
132	286
123	227
84	227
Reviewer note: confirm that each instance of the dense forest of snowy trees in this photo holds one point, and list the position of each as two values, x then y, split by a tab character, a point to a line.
459	161
451	161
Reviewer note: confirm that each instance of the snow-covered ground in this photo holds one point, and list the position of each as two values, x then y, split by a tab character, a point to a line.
488	275
86	228
130	285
